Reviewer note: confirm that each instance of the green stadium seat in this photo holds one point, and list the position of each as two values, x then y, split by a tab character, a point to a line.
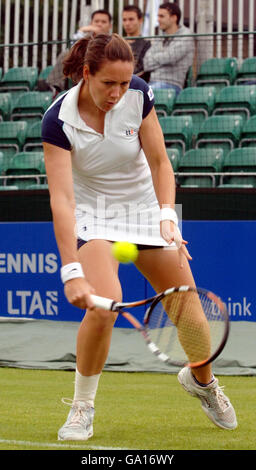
33	140
238	165
1	167
174	157
196	182
25	164
220	131
248	135
31	106
219	72
196	102
19	78
247	72
178	131
45	72
38	186
5	106
42	84
237	100
235	186
12	138
194	165
189	81
164	101
9	188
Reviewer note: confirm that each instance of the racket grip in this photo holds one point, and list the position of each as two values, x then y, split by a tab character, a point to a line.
102	302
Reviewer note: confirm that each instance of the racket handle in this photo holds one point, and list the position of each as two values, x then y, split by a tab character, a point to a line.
103	302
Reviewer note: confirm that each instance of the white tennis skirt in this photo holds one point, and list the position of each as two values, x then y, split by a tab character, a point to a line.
138	224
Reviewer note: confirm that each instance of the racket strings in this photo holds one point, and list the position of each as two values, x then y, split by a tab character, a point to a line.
187	326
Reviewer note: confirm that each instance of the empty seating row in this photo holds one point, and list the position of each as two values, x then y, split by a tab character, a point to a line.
210	167
30	106
223	131
23	170
200	103
198	168
225	71
18	80
18	136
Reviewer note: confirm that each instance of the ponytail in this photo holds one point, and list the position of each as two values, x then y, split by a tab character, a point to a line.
93	50
73	64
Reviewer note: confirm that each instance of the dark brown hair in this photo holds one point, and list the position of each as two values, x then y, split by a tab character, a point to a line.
173	9
136	10
93	50
102	12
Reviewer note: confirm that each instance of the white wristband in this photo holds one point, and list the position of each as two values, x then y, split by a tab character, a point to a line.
71	271
167	213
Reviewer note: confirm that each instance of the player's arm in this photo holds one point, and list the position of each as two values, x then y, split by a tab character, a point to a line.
59	174
62	201
152	141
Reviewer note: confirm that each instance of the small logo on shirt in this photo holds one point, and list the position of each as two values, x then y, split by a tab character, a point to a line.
129	132
150	94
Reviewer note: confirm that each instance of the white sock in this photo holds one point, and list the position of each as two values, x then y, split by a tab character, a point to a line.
86	387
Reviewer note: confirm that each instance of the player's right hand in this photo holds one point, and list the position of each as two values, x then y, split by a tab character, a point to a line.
78	292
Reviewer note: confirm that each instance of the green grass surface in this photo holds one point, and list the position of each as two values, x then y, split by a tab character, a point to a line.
133	411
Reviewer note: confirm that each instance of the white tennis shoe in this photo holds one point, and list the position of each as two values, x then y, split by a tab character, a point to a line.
79	424
214	402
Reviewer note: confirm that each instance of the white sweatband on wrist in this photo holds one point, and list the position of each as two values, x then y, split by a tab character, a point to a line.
71	271
167	213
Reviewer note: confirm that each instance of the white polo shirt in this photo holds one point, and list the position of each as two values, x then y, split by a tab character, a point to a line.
115	198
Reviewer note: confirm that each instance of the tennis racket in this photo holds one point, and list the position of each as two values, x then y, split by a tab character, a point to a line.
182	326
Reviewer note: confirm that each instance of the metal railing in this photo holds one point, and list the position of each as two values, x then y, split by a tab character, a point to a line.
45	27
213	176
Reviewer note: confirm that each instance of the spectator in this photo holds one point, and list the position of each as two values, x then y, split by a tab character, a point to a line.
169	60
101	22
132	23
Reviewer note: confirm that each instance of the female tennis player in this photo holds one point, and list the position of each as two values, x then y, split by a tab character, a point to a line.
110	179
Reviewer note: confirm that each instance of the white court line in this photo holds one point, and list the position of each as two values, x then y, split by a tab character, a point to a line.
58	446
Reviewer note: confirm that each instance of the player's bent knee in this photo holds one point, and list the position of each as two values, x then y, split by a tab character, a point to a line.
104	318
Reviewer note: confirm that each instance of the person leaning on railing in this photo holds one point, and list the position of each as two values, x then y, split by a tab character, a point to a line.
168	60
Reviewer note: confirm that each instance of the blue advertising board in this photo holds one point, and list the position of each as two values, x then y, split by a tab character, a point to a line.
30	286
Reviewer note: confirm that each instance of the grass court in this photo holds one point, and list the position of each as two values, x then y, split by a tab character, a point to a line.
143	411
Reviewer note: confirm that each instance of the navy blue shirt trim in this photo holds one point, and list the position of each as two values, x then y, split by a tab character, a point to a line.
138	83
52	131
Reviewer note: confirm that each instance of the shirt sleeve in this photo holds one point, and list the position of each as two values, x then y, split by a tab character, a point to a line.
52	129
149	100
148	94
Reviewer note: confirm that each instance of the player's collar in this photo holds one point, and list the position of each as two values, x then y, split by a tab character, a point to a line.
69	112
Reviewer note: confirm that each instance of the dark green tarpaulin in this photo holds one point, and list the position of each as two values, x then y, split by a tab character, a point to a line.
45	344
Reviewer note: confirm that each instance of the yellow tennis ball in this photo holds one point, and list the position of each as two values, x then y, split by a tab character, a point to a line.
125	252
